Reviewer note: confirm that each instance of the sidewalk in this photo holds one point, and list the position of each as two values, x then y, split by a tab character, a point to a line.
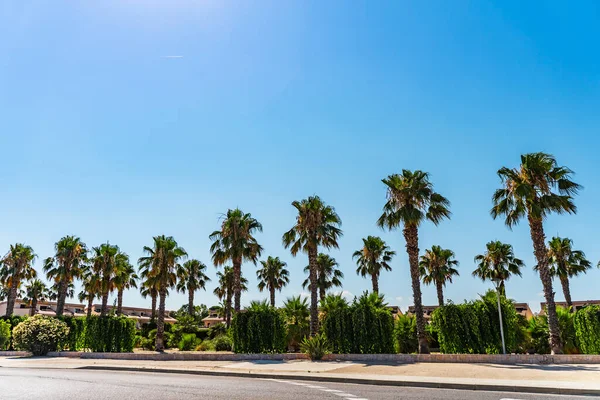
558	379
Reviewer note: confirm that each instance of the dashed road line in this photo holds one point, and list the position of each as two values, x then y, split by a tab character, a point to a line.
339	393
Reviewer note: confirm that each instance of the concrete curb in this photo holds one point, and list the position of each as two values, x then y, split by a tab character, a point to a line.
363	381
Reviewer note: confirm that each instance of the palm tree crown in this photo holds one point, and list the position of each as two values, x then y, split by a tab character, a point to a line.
372	258
317	224
125	278
15	267
235	242
411	199
328	275
226	288
498	263
272	276
437	266
35	291
192	277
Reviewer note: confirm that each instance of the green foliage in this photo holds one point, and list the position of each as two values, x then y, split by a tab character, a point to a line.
206	345
109	334
223	343
217	330
13	321
296	313
188	342
587	328
473	328
76	338
259	330
366	326
40	335
4	335
200	312
316	347
539	333
539	337
406	334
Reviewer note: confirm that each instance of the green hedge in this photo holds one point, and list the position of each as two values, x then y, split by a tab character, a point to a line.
76	339
109	334
259	331
587	329
473	327
365	327
13	320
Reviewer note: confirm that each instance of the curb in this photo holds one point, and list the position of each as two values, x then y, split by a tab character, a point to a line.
361	381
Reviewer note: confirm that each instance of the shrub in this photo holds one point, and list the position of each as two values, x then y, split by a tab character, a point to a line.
76	338
315	347
13	321
188	342
217	330
406	334
223	343
146	344
4	335
40	335
206	345
109	334
259	330
587	328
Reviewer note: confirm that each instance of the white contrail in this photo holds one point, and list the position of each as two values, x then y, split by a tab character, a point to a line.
172	57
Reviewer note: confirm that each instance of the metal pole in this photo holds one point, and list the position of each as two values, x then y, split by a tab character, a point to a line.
500	316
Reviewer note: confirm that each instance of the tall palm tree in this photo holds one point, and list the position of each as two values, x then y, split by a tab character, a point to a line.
317	224
192	277
125	278
537	188
225	290
66	265
498	263
90	288
272	276
148	288
104	259
372	258
328	276
235	242
35	291
162	261
411	200
437	266
16	267
565	263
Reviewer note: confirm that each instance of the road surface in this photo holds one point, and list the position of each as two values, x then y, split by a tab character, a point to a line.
72	384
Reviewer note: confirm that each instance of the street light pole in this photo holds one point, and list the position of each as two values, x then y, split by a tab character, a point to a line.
497	282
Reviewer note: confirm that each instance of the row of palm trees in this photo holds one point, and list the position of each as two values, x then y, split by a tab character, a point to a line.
533	190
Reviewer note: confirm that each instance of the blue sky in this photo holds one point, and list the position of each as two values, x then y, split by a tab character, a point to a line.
105	136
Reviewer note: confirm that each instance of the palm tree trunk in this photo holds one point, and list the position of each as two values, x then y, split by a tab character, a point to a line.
440	293
34	302
411	235
90	304
120	302
564	281
314	310
63	287
12	298
237	282
375	282
228	310
160	323
541	254
104	309
272	290
153	306
190	302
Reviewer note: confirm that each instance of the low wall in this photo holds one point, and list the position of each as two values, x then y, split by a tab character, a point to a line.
362	358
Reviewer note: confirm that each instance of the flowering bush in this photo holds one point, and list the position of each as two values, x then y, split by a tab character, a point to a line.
40	334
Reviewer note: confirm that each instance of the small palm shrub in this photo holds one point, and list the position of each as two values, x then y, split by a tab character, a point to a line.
315	347
40	335
223	343
4	335
206	345
217	330
188	342
406	334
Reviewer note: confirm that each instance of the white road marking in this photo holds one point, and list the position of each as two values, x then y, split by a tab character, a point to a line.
346	396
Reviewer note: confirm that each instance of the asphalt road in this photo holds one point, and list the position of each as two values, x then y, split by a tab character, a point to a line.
63	384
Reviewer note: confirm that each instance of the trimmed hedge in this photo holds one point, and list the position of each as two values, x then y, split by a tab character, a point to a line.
587	329
259	331
473	327
4	335
109	334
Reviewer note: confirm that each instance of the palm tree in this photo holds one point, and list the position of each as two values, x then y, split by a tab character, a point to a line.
66	265
498	263
272	276
162	261
192	277
437	267
328	276
16	267
104	260
225	290
148	289
235	242
411	200
537	188
90	289
565	263
372	258
296	312
35	291
125	278
317	224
